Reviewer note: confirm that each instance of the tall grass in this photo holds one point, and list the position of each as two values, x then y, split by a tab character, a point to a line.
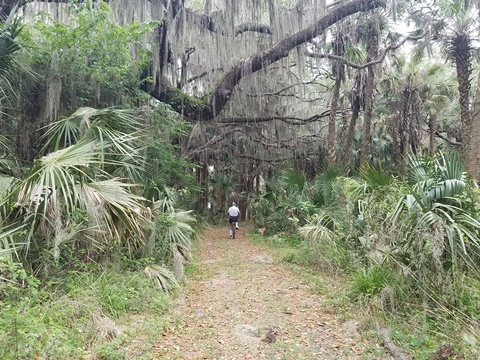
79	314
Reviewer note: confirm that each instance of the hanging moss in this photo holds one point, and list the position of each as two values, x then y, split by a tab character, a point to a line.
188	106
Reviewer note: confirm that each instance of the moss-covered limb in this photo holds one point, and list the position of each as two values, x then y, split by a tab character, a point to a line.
281	49
189	106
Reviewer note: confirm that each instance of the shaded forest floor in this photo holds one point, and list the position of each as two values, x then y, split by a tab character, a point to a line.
240	302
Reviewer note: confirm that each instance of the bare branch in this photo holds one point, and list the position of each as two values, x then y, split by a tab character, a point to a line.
209	144
363	66
451	142
314	82
289	120
196	77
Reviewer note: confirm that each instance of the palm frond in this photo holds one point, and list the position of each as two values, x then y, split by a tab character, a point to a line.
163	277
112	201
376	177
293	180
56	175
9	30
8	240
321	227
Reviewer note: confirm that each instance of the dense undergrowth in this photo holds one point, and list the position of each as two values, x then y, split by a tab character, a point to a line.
79	314
406	250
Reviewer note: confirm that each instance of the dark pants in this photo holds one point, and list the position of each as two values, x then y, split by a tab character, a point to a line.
233	219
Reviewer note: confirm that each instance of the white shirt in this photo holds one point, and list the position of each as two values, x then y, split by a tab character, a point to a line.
233	211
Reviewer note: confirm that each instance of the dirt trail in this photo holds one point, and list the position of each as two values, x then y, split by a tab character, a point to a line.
243	304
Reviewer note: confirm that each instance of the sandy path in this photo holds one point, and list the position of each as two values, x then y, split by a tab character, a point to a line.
242	304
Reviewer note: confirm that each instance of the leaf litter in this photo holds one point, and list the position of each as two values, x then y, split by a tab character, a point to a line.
236	307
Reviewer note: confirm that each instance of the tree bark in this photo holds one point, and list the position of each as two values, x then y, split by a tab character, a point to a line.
347	152
372	50
472	161
332	121
432	125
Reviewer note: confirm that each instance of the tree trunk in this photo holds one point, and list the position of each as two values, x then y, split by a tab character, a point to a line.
395	133
461	49
472	161
347	151
432	127
372	50
332	121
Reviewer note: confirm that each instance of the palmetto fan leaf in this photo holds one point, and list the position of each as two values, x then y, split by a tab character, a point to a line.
418	169
451	167
293	180
75	178
104	124
57	173
8	236
438	198
163	277
176	230
109	201
319	228
62	133
376	177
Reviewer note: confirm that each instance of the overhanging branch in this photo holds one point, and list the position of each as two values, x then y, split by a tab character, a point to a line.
224	90
286	119
370	63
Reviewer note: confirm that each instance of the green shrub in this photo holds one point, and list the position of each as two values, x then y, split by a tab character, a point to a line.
61	320
369	282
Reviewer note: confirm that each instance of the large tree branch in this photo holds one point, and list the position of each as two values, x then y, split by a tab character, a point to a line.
223	91
451	142
207	22
286	119
250	26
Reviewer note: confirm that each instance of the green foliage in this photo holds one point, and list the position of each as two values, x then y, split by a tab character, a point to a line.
369	282
164	278
439	201
74	195
405	245
286	204
188	105
16	282
78	314
223	191
163	167
10	30
293	181
374	177
92	51
173	228
324	190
